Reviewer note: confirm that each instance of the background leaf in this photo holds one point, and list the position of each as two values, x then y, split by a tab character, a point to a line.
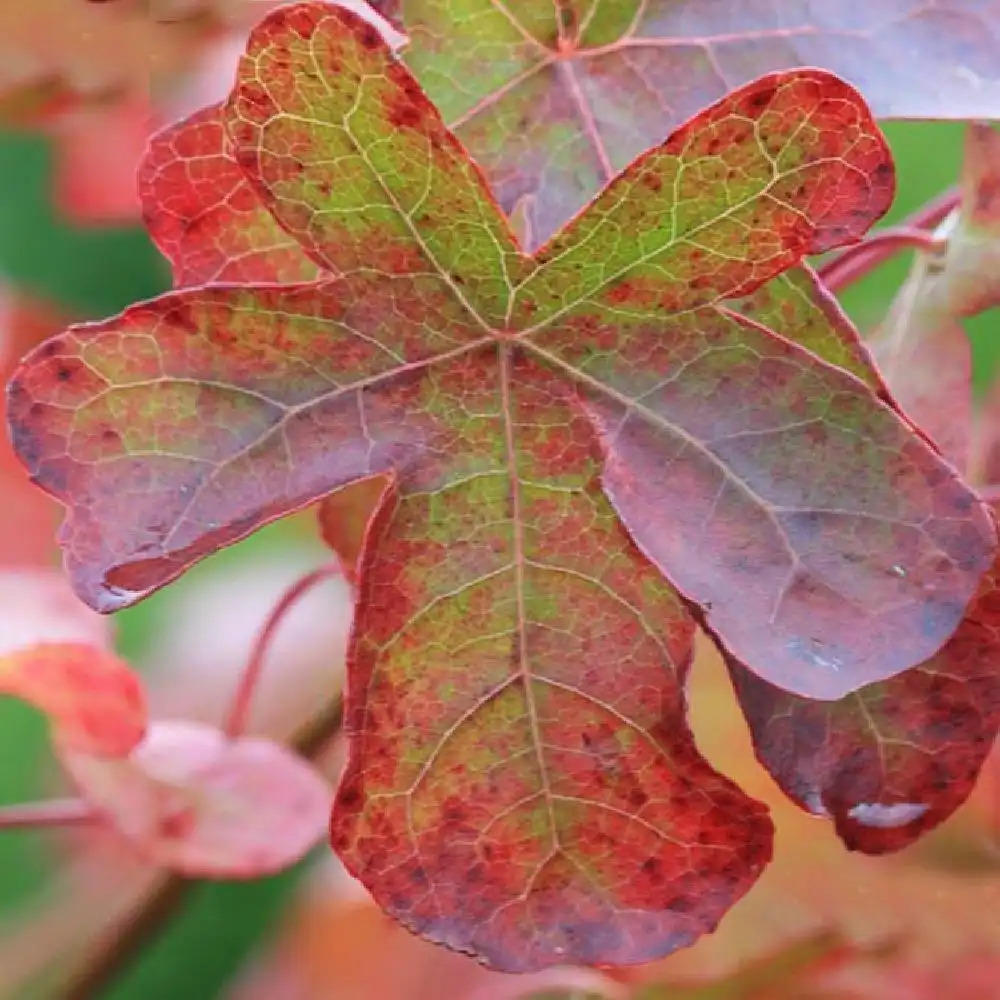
190	799
94	699
554	100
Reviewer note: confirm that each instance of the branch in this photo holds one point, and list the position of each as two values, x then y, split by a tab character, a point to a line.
856	261
237	722
50	813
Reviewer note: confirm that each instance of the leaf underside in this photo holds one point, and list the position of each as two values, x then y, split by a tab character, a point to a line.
566	438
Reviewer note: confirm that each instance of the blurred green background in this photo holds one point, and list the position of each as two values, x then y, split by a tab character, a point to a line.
94	272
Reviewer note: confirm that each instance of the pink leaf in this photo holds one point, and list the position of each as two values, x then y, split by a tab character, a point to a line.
202	805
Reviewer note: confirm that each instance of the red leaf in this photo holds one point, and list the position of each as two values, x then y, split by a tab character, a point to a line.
190	799
553	100
94	699
203	214
893	760
521	782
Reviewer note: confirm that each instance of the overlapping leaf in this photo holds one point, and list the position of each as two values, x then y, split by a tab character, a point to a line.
921	346
204	215
554	98
895	759
521	780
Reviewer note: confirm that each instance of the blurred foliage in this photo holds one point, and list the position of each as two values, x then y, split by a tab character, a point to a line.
89	272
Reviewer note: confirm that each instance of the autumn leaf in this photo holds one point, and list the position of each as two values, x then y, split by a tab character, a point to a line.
892	760
94	700
554	99
204	215
563	434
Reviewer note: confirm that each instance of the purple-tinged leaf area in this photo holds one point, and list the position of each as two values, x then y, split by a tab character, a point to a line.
521	782
798	305
818	533
205	217
187	422
892	760
554	99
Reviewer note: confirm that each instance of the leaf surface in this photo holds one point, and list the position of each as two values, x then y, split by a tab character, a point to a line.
554	99
190	799
892	760
203	214
521	782
514	695
94	700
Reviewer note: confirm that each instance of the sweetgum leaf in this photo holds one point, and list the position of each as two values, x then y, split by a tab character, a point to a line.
190	799
94	700
892	760
554	99
521	782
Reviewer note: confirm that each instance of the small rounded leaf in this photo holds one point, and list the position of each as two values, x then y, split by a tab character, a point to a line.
194	801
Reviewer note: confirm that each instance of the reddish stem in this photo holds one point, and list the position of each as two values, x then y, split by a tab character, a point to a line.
52	812
238	714
856	261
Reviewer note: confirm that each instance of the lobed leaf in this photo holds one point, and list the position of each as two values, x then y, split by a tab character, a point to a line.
824	513
189	421
353	160
892	760
190	799
554	99
514	697
521	782
94	700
